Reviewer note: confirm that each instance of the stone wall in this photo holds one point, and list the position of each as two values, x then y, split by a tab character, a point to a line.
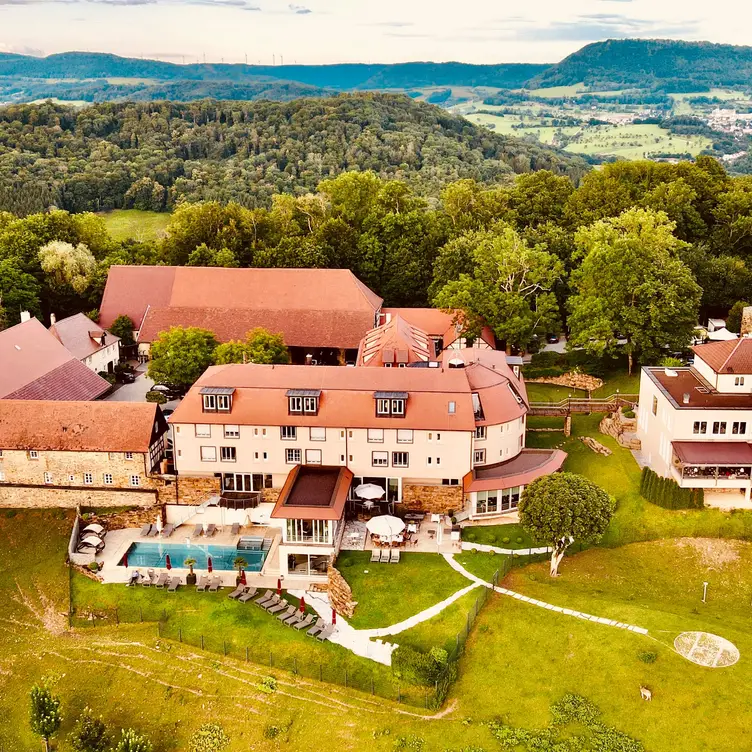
270	495
433	499
621	428
70	498
746	328
196	490
571	380
340	594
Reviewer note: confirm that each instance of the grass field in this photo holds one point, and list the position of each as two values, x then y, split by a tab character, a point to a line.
123	224
618	381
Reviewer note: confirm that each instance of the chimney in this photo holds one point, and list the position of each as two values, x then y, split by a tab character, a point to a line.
53	319
685	398
25	316
103	339
746	328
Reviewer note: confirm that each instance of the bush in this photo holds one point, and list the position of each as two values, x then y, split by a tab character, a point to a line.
667	493
519	540
471	537
89	734
417	667
628	412
210	737
93	566
108	377
648	656
156	397
505	539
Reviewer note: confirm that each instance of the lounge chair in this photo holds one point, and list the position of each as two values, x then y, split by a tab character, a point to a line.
174	583
290	612
239	590
375	556
168	530
215	584
302	623
319	626
95	529
385	555
134	579
235	528
281	605
325	634
265	597
162	580
210	530
272	602
150	575
395	556
203	582
197	531
153	532
250	593
145	530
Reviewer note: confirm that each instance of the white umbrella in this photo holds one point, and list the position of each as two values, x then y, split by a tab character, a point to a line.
722	335
369	491
159	524
385	524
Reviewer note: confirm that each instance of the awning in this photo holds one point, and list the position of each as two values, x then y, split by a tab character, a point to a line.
528	465
713	452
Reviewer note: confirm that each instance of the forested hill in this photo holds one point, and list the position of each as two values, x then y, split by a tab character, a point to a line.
101	156
652	63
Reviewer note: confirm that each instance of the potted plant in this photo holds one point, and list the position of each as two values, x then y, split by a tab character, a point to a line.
240	563
190	578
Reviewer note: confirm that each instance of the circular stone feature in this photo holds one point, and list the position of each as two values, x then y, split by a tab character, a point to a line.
706	649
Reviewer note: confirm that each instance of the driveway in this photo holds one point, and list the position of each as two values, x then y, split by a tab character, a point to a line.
135	392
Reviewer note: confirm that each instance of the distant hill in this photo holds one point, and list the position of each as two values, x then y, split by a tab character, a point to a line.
650	64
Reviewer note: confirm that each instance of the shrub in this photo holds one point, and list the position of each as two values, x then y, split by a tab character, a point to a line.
108	377
470	536
667	493
628	412
417	667
505	539
132	741
648	656
156	397
89	734
210	737
268	685
93	566
519	540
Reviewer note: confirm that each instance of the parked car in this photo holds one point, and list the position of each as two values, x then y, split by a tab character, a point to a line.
552	339
125	377
169	390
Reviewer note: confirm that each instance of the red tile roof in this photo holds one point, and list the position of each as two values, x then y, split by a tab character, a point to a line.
730	356
297	302
528	465
394	343
50	425
37	366
81	336
313	493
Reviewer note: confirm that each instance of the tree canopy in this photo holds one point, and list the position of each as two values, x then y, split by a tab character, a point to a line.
179	356
44	714
260	346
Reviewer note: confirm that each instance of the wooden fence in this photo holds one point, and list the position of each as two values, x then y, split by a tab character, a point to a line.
583	405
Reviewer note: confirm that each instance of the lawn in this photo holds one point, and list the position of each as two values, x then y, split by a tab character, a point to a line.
390	593
545	421
618	381
123	224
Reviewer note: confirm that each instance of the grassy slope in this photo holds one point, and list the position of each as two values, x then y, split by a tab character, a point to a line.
123	224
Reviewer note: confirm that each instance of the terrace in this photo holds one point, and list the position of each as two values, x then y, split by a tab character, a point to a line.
713	465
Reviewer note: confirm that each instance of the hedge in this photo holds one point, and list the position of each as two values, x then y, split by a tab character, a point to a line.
667	493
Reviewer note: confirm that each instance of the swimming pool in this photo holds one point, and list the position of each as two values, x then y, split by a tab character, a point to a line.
149	554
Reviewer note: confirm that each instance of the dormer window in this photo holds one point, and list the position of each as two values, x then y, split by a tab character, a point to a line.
217	399
303	401
390	404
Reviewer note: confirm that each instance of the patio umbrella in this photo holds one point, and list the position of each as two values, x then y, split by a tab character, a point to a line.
209	563
159	524
385	524
334	616
125	559
722	335
167	561
302	604
242	577
369	491
279	586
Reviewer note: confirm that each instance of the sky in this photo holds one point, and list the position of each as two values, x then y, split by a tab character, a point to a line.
336	31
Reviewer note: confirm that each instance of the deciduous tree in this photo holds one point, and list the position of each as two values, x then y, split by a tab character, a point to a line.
67	264
123	327
261	346
179	356
44	715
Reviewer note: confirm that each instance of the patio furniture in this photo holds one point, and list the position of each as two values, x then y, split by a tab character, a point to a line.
210	530
265	597
385	525
239	590
306	621
319	626
384	559
250	593
325	634
145	530
153	532
134	578
277	607
90	542
215	584
294	619
150	574
375	556
162	580
95	529
395	557
432	533
287	614
203	583
235	528
174	584
272	602
197	531
167	530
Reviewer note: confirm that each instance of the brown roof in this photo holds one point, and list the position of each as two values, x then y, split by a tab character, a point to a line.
528	465
313	493
395	343
37	366
437	323
713	452
688	383
298	300
77	426
81	336
731	356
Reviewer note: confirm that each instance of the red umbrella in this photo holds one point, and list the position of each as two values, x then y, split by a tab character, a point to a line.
242	577
125	559
302	604
334	616
279	586
168	563
209	563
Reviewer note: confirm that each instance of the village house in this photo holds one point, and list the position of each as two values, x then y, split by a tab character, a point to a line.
95	347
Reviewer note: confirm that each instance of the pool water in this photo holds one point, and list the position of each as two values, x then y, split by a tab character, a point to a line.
153	555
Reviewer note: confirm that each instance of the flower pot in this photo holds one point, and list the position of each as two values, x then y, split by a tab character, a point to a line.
190	579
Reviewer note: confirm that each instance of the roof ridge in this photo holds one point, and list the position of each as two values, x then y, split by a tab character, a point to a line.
732	353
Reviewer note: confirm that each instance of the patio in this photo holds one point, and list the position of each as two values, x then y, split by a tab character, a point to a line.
423	533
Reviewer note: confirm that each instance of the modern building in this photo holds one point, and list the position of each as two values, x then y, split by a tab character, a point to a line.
67	454
695	423
95	347
34	365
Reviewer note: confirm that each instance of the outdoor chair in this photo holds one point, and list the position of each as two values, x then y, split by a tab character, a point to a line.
145	530
281	605
153	532
94	529
168	530
395	557
235	528
287	614
174	584
210	530
203	583
306	621
291	621
134	579
272	602
265	597
239	590
162	580
250	593
325	634
215	584
384	559
316	628
147	581
375	556
197	531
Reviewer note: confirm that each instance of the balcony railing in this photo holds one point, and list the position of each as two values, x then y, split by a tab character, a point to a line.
240	499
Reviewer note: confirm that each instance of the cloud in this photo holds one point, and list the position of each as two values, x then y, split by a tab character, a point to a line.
240	4
392	24
596	26
300	10
21	49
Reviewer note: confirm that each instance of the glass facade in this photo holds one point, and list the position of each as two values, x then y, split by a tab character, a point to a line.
493	502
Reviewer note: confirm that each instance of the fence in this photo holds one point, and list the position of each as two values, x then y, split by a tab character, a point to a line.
583	405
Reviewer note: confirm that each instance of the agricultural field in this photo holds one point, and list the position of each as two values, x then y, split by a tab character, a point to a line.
124	224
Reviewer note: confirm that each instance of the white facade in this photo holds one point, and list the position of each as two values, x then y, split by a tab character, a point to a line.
105	359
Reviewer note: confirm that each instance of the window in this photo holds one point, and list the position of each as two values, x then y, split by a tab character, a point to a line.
480	433
398	407
719	427
288	433
88	479
382	407
232	432
259	432
112	455
375	435
292	456
739	428
228	454
255	456
739	381
308	531
297	404
71	479
310	405
313	456
404	435
203	430
33	454
655	405
265	456
479	456
341	435
208	454
700	426
48	477
2	476
217	403
107	479
400	459
135	480
433	460
452	407
450	481
434	437
317	433
129	455
380	459
389	406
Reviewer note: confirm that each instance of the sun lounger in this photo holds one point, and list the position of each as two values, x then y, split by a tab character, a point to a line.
272	602
210	530
395	556
150	577
304	621
167	530
384	556
281	605
174	583
251	593
319	626
325	634
153	532
162	580
95	529
134	579
203	582
375	556
235	528
145	530
239	590
287	614
215	584
265	597
197	531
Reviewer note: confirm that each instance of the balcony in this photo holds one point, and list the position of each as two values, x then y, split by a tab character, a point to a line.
712	464
240	499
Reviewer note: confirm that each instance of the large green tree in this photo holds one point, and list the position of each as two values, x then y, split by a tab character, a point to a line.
179	356
123	327
510	288
44	713
632	285
19	291
260	346
67	264
562	508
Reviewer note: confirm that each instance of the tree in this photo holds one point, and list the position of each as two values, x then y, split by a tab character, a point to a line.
210	737
632	284
123	327
562	508
19	291
68	264
132	741
44	716
260	346
89	734
734	318
179	356
510	289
